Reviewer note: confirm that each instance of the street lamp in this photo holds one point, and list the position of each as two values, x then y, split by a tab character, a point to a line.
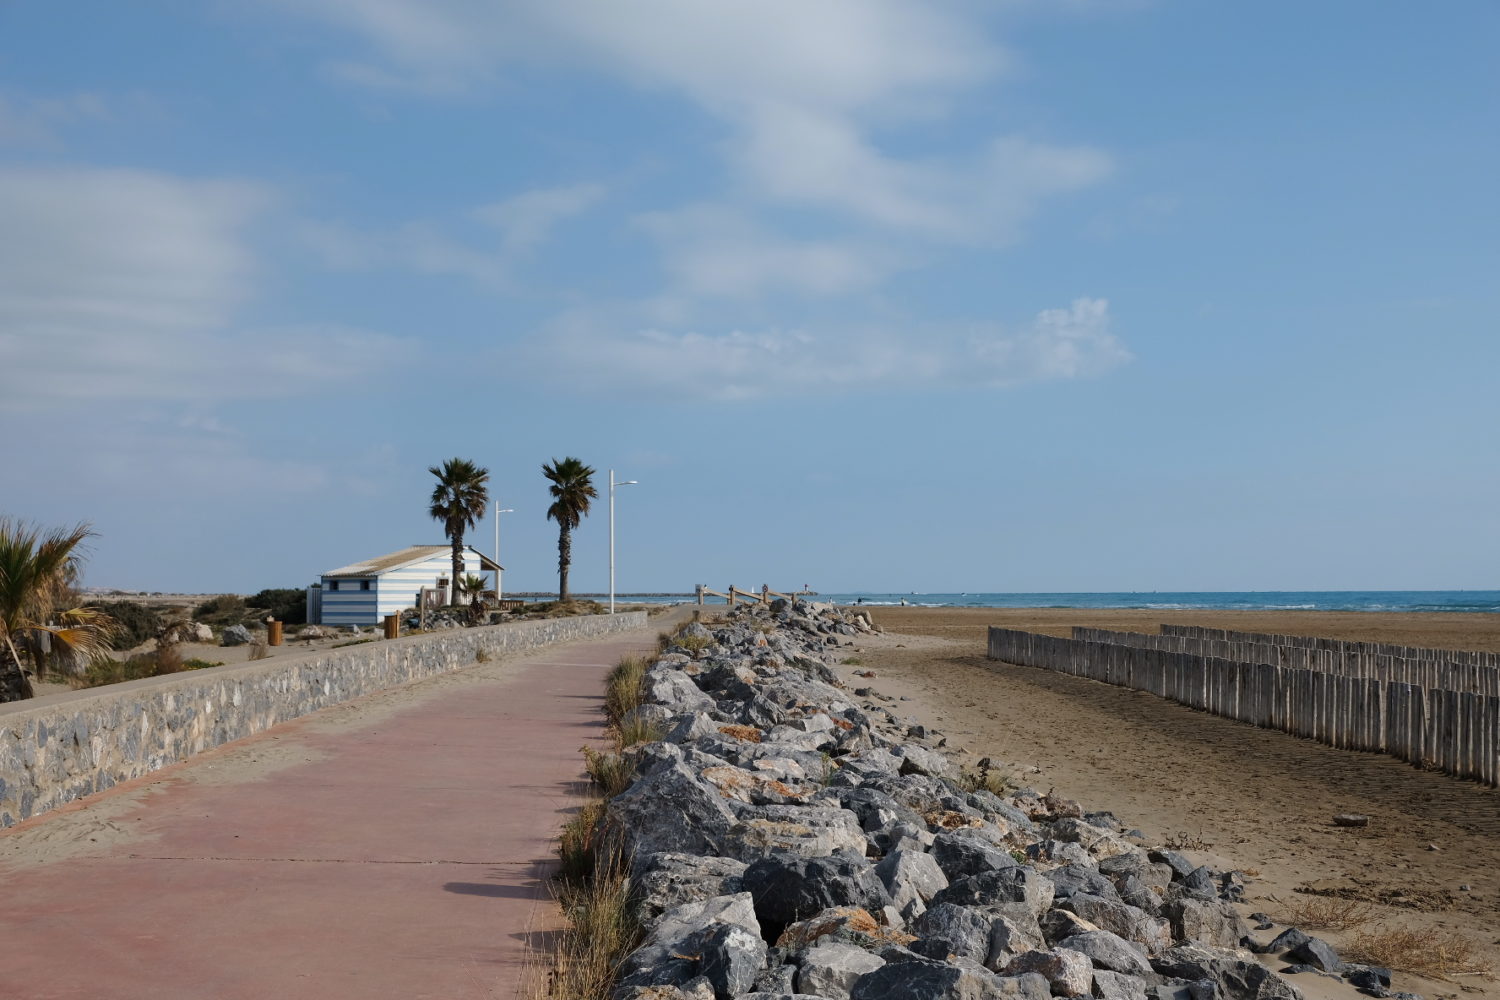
612	485
498	511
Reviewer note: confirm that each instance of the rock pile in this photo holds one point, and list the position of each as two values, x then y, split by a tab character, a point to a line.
787	842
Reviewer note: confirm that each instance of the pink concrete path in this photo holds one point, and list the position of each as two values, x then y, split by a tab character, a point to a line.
397	846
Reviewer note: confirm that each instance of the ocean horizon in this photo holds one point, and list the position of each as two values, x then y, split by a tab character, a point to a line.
1467	601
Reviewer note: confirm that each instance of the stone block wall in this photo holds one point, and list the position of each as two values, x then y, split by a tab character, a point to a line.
61	748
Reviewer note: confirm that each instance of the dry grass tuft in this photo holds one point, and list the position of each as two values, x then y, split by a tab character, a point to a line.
601	931
260	650
633	732
1426	952
987	779
623	689
1185	841
612	772
694	644
579	842
1326	912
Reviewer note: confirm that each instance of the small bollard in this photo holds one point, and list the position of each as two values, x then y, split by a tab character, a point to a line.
273	632
392	627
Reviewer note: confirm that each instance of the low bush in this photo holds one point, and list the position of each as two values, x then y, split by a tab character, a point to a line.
138	623
285	604
226	609
1427	952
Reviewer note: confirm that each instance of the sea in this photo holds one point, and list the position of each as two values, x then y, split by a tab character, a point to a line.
1258	600
1478	601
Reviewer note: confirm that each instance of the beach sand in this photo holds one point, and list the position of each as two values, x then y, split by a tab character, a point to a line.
1240	797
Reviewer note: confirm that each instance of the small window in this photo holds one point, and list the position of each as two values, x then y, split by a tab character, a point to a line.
333	585
364	585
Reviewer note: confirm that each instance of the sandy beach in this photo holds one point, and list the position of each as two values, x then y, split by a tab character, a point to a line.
1250	799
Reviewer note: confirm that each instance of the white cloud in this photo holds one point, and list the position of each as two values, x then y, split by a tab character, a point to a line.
712	250
518	224
805	88
582	351
528	218
123	284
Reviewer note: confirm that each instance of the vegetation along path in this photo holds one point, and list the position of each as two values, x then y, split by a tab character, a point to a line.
395	846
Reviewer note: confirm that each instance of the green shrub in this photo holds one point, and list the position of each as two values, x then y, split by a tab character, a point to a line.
138	622
285	604
226	609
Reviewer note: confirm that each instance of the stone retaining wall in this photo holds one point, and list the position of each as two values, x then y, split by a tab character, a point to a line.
63	747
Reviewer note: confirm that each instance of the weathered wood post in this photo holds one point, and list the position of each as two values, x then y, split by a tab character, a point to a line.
392	626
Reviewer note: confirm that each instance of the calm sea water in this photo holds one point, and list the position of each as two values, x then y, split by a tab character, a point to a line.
1258	600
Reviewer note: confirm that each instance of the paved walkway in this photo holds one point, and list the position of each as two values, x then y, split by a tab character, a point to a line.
396	846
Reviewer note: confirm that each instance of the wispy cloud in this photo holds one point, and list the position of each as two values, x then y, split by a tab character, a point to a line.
508	230
124	284
804	87
583	350
714	250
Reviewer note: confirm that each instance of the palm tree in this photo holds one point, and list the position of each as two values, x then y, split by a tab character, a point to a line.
37	573
459	500
572	488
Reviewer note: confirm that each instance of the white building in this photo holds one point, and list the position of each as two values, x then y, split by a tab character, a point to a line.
363	593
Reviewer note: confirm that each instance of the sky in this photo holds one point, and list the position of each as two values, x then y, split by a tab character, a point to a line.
1012	295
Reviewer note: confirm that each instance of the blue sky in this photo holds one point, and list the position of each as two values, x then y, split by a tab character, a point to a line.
1010	296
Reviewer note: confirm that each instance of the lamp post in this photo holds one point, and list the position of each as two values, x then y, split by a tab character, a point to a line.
612	485
498	511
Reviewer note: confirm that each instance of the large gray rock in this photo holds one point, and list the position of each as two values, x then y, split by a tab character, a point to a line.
663	881
673	951
1070	879
1069	973
672	810
1109	951
787	888
1151	933
1010	937
1118	986
788	829
946	929
964	852
1018	885
831	968
1235	978
729	957
235	635
923	979
912	878
920	760
675	690
1205	921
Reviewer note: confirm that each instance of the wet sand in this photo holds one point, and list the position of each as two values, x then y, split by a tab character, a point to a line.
1245	798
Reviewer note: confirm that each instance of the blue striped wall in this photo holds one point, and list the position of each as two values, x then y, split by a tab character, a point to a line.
390	592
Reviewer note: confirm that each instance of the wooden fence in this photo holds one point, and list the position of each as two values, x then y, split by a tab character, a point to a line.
1341	645
1453	731
1457	671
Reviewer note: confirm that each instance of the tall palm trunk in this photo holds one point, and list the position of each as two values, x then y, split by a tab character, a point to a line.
564	560
14	684
458	568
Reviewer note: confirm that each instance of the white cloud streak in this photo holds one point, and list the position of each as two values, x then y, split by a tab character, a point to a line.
512	228
1070	342
804	87
123	284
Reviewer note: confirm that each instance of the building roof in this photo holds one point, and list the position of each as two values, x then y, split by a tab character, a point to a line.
405	557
